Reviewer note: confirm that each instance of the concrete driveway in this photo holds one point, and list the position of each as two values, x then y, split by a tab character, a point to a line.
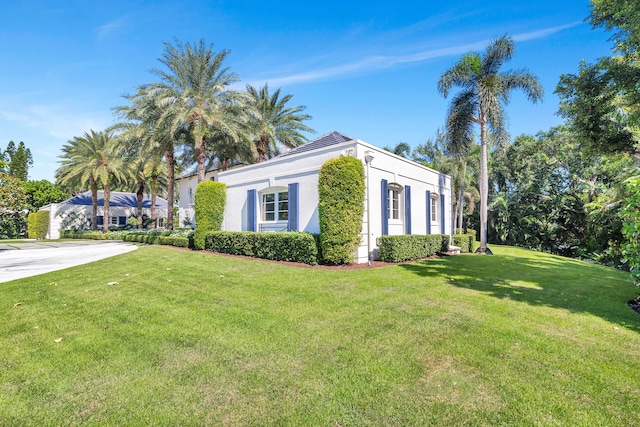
18	260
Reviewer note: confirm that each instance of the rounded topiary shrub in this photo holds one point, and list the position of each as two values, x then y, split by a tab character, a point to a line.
42	224
210	200
340	208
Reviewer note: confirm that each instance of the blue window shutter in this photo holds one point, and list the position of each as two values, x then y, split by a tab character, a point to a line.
292	224
442	214
252	218
100	219
428	212
122	220
407	209
385	206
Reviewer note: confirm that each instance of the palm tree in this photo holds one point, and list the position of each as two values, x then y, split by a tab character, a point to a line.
485	91
74	171
152	138
401	149
92	159
195	92
272	121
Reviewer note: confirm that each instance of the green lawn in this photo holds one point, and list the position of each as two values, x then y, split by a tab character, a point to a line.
192	338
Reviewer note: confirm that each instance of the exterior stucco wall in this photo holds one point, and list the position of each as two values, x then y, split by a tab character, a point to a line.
303	169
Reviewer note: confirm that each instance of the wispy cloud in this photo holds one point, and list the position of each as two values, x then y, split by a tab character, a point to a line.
379	62
112	28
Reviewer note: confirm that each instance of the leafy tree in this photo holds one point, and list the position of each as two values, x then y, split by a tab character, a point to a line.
484	92
622	16
194	93
272	121
41	193
12	207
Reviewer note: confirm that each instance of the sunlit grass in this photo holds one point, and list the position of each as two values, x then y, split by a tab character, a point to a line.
520	338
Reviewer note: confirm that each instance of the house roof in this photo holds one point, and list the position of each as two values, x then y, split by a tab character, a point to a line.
331	138
117	199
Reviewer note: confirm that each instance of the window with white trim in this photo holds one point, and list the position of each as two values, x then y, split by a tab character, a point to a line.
275	206
434	207
393	200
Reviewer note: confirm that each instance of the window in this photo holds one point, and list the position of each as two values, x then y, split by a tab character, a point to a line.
275	206
434	208
394	202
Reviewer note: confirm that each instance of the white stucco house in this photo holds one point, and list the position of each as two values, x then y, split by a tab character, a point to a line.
76	211
281	194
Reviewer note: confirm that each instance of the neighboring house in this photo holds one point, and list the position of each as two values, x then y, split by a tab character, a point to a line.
75	213
281	194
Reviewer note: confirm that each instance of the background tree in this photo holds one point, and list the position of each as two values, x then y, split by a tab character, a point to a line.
272	122
41	193
17	160
485	91
12	207
401	149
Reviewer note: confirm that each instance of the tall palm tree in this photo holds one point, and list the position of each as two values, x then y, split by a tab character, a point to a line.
74	171
92	159
152	137
195	92
272	121
484	93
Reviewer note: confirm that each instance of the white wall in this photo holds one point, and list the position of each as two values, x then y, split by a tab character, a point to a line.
300	168
303	169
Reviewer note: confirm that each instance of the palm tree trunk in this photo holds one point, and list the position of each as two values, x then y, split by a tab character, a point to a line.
139	196
202	159
262	148
107	198
168	156
94	203
484	187
154	193
461	209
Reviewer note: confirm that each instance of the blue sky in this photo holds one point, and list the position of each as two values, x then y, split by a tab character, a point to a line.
368	69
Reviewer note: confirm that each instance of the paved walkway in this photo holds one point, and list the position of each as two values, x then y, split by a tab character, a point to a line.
18	260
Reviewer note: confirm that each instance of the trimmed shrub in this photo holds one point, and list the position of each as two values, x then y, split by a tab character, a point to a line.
409	246
38	225
464	241
280	246
340	208
42	224
31	225
210	200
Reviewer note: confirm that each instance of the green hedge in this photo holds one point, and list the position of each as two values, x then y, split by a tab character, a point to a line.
31	225
180	241
410	246
280	246
340	208
464	241
38	225
210	200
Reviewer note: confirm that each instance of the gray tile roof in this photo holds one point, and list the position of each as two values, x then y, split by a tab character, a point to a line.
331	138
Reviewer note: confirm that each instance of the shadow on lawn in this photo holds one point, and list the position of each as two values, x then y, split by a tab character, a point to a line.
542	280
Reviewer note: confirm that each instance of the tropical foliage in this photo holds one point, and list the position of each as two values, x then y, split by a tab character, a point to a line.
484	92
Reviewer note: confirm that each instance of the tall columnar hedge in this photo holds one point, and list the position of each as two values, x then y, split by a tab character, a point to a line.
340	208
31	225
38	225
210	200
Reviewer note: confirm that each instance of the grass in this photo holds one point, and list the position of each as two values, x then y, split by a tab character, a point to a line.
192	338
